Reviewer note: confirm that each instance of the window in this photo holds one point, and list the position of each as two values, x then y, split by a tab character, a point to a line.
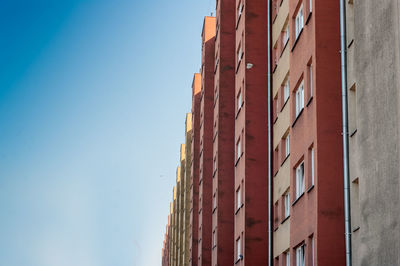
287	204
310	3
239	55
239	101
286	91
238	149
286	35
300	99
310	73
214	201
300	256
312	166
299	21
300	180
239	11
287	256
287	146
238	199
238	250
214	239
215	165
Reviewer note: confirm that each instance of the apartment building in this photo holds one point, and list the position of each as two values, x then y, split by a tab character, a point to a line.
186	154
206	141
373	83
194	170
229	151
223	135
308	170
165	250
251	148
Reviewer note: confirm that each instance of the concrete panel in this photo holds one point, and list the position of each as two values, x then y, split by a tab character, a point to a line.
376	30
282	180
281	238
281	125
280	20
281	71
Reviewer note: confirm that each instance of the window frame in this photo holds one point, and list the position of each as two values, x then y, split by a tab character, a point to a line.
299	21
238	199
300	255
299	98
287	146
286	91
300	180
286	200
239	255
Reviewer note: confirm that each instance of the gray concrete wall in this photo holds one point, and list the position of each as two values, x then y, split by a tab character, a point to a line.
375	114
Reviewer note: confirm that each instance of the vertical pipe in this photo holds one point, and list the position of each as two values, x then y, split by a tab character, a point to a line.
345	132
270	255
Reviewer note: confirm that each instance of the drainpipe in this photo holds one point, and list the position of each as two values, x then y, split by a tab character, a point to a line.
270	255
345	132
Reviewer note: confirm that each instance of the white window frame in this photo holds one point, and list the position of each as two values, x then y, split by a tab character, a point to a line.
300	180
238	249
287	258
239	55
239	101
286	91
300	255
287	145
287	204
310	3
312	166
238	199
299	21
238	149
286	35
215	165
300	98
240	11
214	201
214	238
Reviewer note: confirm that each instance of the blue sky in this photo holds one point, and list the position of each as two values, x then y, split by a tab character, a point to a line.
93	97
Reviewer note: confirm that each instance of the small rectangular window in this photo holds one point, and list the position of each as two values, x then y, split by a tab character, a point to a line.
239	11
214	201
299	21
238	249
300	256
239	55
287	204
287	146
312	166
214	239
286	91
238	149
215	164
287	256
239	101
238	199
300	99
300	186
285	37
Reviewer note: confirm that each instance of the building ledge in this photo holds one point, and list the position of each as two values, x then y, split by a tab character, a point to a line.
297	117
296	200
297	39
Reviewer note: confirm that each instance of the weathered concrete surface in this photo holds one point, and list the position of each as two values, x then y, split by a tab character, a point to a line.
375	147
